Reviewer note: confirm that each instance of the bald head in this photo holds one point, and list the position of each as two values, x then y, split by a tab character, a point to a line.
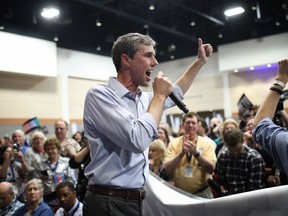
6	194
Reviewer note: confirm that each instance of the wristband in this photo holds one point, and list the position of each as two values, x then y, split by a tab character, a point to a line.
279	83
280	92
197	154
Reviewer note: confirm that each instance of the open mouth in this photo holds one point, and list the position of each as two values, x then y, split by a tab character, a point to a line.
149	72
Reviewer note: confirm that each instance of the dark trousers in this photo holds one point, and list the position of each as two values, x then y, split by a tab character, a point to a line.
95	204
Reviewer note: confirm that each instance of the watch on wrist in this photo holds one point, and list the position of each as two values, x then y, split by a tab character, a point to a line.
197	154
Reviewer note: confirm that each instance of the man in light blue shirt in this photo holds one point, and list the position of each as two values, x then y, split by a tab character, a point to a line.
273	138
120	121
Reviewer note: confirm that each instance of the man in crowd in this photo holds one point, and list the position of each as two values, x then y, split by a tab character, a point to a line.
69	146
239	168
271	137
191	158
120	122
8	202
67	198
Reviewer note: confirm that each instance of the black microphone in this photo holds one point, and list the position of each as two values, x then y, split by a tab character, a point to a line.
174	97
216	187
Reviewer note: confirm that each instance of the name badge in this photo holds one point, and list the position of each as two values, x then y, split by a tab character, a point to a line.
188	171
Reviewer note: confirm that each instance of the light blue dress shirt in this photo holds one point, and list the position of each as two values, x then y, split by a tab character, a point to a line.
119	131
274	140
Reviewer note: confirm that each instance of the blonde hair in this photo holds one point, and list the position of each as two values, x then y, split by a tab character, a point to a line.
224	124
160	147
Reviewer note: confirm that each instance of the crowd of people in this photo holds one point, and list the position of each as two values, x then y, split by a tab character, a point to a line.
43	175
125	136
229	157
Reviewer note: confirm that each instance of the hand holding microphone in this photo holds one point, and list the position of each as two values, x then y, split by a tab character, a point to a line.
173	96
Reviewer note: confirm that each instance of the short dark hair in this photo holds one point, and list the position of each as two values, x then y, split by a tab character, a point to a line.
68	184
233	137
204	124
128	44
190	115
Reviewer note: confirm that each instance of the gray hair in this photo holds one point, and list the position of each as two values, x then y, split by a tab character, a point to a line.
18	131
38	134
128	44
37	182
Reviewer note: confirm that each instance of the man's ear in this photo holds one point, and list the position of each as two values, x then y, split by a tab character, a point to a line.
125	59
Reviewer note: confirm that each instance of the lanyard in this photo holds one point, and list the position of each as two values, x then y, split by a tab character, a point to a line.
74	211
12	172
188	156
53	169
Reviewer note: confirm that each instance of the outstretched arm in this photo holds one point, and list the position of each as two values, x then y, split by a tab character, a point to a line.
204	51
267	109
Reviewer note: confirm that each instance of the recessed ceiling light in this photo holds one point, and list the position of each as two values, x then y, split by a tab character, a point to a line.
56	38
234	11
151	7
98	23
193	23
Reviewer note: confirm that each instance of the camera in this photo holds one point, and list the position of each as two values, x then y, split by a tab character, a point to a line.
16	146
44	172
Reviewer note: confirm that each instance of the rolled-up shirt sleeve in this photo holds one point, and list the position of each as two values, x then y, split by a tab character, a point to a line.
274	140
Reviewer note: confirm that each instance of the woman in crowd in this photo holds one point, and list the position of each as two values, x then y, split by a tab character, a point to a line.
34	205
163	135
36	154
54	170
157	153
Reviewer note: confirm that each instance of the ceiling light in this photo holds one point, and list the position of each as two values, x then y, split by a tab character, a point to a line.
56	38
98	23
193	23
98	48
236	70
220	35
2	27
268	65
172	48
234	11
251	68
277	23
50	13
151	7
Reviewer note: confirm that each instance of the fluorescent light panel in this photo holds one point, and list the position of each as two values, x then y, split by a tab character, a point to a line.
234	11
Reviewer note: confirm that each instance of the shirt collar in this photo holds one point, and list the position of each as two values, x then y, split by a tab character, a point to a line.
74	208
121	90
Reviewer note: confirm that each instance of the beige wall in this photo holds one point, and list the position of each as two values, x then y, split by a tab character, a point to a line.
62	96
77	92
